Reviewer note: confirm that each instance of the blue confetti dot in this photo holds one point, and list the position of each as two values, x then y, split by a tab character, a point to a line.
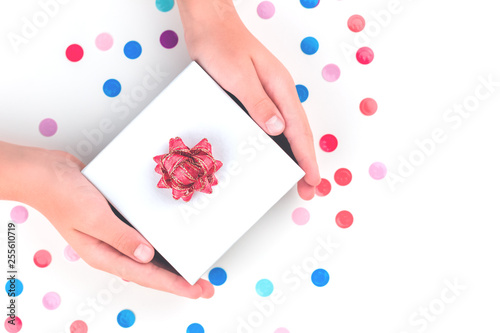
309	45
112	88
14	288
195	328
132	50
125	318
164	5
302	92
309	3
264	287
320	277
217	276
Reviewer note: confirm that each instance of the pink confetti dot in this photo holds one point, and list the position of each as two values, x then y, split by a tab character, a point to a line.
74	53
48	127
51	300
343	177
300	216
377	170
70	254
365	55
42	258
265	10
344	219
324	188
356	23
104	41
78	326
18	324
281	330
368	106
331	72
328	143
19	214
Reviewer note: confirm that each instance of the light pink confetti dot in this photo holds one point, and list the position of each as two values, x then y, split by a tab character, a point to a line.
19	214
51	301
377	170
104	41
331	72
300	216
281	330
265	10
70	254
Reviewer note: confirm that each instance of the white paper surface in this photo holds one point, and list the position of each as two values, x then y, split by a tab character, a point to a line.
255	174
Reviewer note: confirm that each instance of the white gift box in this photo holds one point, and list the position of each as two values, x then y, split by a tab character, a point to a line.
255	174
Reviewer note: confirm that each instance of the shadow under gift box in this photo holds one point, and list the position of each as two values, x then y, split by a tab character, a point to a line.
190	237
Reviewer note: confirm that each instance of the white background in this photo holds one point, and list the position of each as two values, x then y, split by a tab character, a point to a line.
407	240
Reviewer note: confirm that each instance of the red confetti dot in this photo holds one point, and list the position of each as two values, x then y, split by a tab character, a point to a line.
78	326
324	188
368	106
328	143
42	258
344	219
18	324
356	23
343	177
74	53
365	55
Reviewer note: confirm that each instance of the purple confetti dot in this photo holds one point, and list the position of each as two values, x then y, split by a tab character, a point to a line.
48	127
169	39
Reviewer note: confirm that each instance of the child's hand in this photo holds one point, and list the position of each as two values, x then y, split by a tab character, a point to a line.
217	39
51	182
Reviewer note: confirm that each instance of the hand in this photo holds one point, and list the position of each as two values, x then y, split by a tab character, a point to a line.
218	40
51	182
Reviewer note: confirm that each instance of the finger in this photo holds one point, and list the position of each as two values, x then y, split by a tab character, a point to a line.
207	288
305	190
106	258
105	226
280	87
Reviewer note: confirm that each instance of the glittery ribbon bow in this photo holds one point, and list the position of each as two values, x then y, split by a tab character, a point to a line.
187	170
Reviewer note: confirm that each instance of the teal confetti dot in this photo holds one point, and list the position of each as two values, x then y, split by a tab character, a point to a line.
320	277
164	5
14	287
217	276
125	318
264	287
309	45
302	92
195	328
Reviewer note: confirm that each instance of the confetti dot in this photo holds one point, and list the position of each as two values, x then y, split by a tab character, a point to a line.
344	219
164	5
281	330
217	276
48	127
18	324
14	288
104	41
320	277
328	143
125	318
331	72
365	55
356	23
302	92
78	326
342	177
19	214
195	328
169	39
309	45
264	287
377	170
51	301
42	258
70	254
368	106
300	216
309	3
265	10
324	188
112	88
132	50
74	53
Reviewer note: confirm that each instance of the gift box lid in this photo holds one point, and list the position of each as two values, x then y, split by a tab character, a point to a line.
255	174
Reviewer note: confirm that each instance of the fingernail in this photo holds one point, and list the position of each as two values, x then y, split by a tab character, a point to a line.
274	125
143	252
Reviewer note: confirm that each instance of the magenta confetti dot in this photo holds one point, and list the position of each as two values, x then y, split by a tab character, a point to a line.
266	10
78	326
42	258
365	55
48	127
300	216
104	41
377	170
331	72
13	326
328	143
51	300
324	188
70	254
19	214
169	39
